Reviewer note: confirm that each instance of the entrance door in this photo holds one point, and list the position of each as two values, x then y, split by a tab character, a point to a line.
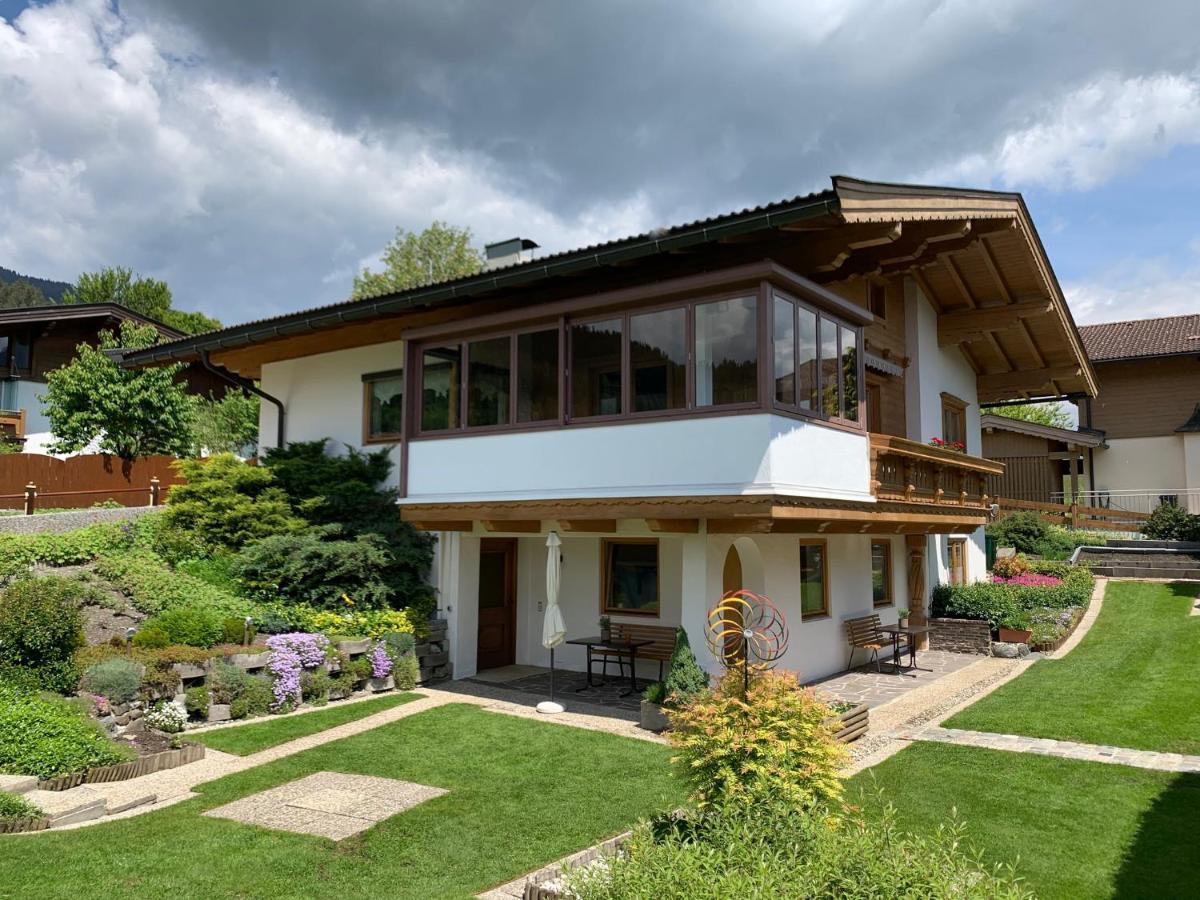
497	603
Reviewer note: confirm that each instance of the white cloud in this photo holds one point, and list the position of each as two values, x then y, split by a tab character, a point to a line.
1136	289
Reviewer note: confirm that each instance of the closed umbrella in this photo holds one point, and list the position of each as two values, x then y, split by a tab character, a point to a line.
554	632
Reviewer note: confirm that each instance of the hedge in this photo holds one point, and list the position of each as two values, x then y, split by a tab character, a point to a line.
1006	604
46	736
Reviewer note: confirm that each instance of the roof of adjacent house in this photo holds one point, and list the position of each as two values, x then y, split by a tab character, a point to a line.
1083	437
1169	336
33	315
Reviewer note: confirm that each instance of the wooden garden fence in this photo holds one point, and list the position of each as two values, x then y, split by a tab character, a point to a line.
30	481
1075	516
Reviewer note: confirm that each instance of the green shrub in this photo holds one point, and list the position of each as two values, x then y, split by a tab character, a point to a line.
1170	522
41	627
227	682
317	568
359	668
196	702
19	551
655	693
226	503
1011	566
118	679
1004	605
152	586
406	672
235	631
255	698
192	626
46	736
151	637
1023	530
216	570
769	743
685	678
156	535
399	643
776	851
314	686
14	806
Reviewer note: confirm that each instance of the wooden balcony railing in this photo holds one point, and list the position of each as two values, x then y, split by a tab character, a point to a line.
913	472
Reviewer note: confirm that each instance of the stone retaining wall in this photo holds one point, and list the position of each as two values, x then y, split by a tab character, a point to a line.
433	653
58	522
961	636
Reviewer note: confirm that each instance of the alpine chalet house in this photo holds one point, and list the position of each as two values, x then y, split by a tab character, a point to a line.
747	401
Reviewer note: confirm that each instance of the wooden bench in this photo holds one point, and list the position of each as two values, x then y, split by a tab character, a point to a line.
863	633
662	638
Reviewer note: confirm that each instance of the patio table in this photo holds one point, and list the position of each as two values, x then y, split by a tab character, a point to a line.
910	631
619	648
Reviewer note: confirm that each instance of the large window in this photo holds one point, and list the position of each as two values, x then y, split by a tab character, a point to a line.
596	368
727	352
441	386
537	376
383	413
489	373
814	582
817	361
658	359
881	573
629	577
14	351
784	312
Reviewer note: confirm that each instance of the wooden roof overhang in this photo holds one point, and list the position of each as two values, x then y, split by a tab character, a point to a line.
751	514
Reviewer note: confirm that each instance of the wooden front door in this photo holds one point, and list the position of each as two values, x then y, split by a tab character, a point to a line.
497	603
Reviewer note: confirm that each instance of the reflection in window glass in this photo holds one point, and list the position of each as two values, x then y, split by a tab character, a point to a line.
386	396
489	367
596	369
881	573
812	580
631	577
658	359
537	376
806	346
441	382
785	351
849	375
829	368
727	352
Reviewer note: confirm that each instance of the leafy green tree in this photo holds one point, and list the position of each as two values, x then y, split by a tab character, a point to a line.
20	294
1052	414
130	412
145	296
227	425
410	260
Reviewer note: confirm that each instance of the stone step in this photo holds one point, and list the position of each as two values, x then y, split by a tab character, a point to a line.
1147	572
80	804
18	784
115	806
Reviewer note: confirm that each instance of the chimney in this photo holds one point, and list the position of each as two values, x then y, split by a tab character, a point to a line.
508	253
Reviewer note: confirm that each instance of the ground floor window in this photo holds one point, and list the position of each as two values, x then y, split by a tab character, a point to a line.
881	573
384	406
956	560
814	580
629	577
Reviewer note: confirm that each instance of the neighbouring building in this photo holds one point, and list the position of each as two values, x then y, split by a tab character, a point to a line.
1042	463
746	401
1149	410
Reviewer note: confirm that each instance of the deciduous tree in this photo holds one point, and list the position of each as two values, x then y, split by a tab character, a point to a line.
410	260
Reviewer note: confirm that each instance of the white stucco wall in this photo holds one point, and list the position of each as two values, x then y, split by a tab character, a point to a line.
737	454
1152	465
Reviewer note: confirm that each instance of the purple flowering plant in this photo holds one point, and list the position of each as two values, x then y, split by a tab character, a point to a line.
381	661
291	654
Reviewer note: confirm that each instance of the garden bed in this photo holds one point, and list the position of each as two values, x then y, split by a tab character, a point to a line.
1050	646
144	765
17	826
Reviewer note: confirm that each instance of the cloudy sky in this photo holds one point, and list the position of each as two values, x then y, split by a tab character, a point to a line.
256	154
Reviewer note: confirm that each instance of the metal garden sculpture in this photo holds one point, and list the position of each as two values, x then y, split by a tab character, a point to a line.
747	630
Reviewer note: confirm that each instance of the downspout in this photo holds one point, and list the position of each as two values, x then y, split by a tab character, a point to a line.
249	387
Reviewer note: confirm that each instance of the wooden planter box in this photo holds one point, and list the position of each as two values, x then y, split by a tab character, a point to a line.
155	762
653	717
15	826
1014	635
850	725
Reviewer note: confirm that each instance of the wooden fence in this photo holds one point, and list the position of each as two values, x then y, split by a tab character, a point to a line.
29	481
1073	515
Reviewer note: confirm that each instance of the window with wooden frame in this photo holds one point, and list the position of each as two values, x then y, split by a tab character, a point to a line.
817	366
629	577
956	560
954	421
814	579
877	299
383	406
874	399
881	573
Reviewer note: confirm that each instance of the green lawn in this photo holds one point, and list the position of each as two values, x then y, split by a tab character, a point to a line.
1074	829
1131	682
521	793
246	739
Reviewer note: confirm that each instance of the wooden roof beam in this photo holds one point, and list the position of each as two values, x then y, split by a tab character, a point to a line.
516	526
674	526
960	326
997	386
830	253
588	526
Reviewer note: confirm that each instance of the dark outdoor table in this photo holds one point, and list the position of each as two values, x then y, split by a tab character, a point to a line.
620	648
911	631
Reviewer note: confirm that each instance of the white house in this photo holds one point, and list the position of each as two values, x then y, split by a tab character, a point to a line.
742	402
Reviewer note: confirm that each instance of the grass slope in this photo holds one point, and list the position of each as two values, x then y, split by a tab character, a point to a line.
259	735
1075	829
1131	682
521	793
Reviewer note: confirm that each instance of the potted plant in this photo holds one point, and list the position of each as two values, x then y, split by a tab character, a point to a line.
653	717
902	615
685	680
605	629
1014	628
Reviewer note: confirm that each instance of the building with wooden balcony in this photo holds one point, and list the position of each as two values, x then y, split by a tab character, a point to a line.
748	401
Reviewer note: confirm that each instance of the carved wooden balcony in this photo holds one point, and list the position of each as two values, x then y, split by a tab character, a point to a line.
912	472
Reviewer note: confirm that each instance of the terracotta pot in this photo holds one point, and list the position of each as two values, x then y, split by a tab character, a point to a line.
1015	635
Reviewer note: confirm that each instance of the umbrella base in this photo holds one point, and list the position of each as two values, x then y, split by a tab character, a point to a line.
549	707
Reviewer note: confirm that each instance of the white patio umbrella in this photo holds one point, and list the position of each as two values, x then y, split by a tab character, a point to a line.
554	632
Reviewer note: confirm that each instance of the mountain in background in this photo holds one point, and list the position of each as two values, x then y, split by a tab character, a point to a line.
51	290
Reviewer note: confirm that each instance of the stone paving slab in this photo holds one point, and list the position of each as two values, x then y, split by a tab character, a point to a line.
865	685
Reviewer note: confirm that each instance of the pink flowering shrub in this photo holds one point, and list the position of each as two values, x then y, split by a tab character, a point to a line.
291	654
381	662
1030	579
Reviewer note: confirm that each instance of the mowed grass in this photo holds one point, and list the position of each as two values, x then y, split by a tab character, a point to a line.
261	734
1131	682
521	793
1074	829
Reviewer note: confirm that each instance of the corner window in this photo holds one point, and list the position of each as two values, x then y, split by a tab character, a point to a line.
596	368
849	373
784	313
658	359
816	361
727	352
441	387
814	595
629	577
881	573
384	401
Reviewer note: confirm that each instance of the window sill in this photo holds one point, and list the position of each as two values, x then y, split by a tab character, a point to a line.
814	617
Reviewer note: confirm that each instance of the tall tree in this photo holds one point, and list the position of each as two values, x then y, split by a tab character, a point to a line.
1052	414
228	425
145	296
18	294
410	260
128	412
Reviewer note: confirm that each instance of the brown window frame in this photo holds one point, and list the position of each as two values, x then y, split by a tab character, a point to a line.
383	437
873	400
888	574
958	545
794	408
605	559
956	407
823	612
877	300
